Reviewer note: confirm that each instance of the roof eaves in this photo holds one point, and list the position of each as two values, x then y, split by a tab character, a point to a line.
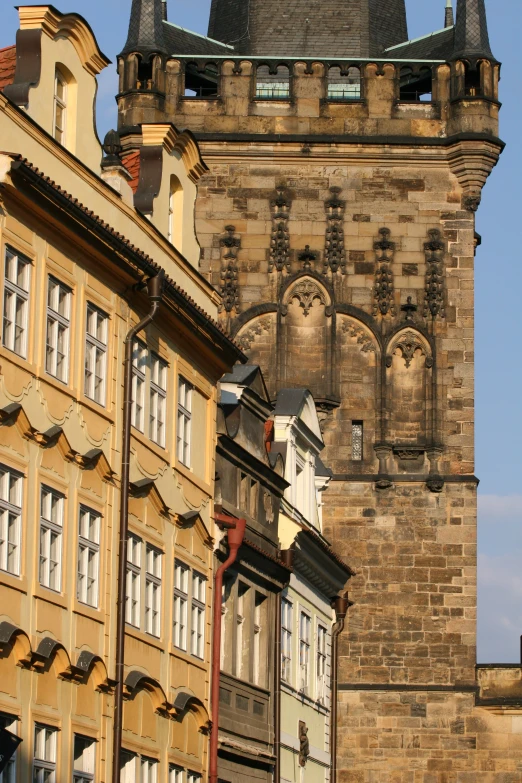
421	38
199	35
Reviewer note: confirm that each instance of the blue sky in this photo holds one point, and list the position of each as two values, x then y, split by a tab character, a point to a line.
498	313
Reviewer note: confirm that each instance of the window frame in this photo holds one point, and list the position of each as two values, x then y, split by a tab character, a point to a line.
51	526
9	722
94	347
89	547
153	588
305	646
287	635
8	508
158	399
55	319
82	776
43	765
198	615
61	102
357	440
133	577
16	293
184	421
321	662
181	600
152	767
139	384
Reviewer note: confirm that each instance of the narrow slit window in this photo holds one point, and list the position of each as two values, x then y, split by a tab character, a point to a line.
16	302
357	441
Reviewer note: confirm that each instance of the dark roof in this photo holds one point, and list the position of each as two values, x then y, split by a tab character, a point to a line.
321	469
471	30
146	28
7	66
181	41
242	374
437	46
290	402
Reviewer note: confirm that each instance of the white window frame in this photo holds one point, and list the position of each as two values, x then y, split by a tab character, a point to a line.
60	133
16	302
305	644
184	421
88	760
176	774
139	382
51	530
45	753
158	400
321	662
181	605
133	581
96	343
58	330
88	571
148	770
287	635
194	777
9	723
152	603
11	481
128	763
198	620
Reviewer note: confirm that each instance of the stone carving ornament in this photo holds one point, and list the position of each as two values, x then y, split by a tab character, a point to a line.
306	292
230	244
384	288
334	253
280	239
408	345
434	296
246	339
358	332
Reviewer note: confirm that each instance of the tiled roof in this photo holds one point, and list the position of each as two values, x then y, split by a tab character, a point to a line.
145	27
7	66
437	46
132	164
181	41
471	29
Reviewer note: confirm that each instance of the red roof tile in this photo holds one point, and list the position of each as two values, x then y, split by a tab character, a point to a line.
7	66
132	164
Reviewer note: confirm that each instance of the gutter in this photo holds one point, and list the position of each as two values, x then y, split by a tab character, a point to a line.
341	605
155	292
235	532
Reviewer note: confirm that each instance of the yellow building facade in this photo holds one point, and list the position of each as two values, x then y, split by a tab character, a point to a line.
72	288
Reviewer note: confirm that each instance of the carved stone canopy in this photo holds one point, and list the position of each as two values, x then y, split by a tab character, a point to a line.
307	292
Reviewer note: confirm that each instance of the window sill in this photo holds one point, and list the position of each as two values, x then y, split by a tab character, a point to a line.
175	652
317	705
141	636
260	99
163	453
88	611
13	582
15	358
105	412
50	596
188	474
200	97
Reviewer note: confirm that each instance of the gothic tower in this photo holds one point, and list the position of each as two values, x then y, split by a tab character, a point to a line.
346	164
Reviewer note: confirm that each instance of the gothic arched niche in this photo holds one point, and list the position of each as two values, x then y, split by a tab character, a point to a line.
409	368
305	355
257	339
358	362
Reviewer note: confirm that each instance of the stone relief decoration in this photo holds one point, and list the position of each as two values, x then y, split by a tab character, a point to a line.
334	252
434	296
408	345
269	509
384	289
307	292
280	239
307	258
230	244
471	201
304	744
363	339
246	339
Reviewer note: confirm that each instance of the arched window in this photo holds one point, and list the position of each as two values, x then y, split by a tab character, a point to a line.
344	85
273	84
60	107
175	223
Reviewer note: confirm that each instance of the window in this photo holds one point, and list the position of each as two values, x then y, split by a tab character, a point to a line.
174	233
44	765
185	390
149	770
181	581
10	520
51	527
242	640
287	612
153	592
176	774
60	107
96	354
58	328
133	590
139	363
9	723
127	767
88	556
193	777
273	83
260	658
322	635
84	759
305	624
198	615
16	302
357	441
344	85
158	399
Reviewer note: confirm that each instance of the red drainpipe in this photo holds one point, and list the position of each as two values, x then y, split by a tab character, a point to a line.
236	533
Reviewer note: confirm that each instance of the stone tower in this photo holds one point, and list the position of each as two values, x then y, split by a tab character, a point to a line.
338	221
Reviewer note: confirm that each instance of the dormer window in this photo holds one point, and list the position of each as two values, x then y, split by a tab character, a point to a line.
60	107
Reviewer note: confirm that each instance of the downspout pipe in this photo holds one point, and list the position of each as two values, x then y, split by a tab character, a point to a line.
155	292
341	604
235	533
